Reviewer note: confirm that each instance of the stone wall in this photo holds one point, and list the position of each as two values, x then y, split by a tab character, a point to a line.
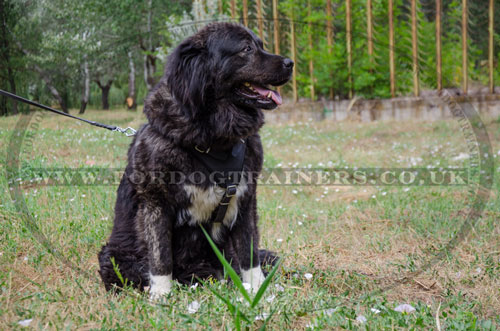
425	108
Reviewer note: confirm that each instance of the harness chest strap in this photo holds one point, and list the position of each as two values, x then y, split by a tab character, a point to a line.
229	166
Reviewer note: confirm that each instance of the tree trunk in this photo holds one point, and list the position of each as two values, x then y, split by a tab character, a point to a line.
131	102
86	86
47	81
149	58
52	89
105	97
6	56
12	83
105	93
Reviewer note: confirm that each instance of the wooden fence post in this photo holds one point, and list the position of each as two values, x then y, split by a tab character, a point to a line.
276	31
392	68
329	33
311	64
490	46
245	12
349	44
276	28
233	9
294	59
464	47
438	47
260	22
414	46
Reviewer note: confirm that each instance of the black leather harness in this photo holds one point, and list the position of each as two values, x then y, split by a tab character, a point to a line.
226	171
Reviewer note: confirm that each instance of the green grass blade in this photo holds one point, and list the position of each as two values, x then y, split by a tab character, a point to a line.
237	322
265	284
116	269
227	266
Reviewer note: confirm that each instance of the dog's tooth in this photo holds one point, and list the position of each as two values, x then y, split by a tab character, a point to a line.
270	94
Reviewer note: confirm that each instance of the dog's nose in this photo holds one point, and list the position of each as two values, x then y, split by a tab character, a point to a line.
287	63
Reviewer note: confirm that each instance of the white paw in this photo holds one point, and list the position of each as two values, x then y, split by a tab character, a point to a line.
159	286
254	277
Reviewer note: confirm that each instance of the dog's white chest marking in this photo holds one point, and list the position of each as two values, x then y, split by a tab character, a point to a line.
205	201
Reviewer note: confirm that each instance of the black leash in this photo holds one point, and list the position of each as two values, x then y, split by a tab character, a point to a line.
128	131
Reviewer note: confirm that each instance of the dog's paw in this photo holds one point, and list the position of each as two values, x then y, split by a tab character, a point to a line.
254	277
159	287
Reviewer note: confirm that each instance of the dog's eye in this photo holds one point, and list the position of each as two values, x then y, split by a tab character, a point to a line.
248	48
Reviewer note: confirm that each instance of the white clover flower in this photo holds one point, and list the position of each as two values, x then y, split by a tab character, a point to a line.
25	323
331	311
361	319
279	288
271	298
261	317
375	310
308	276
312	325
405	308
279	240
193	307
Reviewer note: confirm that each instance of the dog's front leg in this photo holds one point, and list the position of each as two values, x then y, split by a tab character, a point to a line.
155	228
245	236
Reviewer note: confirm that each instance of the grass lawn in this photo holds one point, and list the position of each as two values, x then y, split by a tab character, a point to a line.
352	254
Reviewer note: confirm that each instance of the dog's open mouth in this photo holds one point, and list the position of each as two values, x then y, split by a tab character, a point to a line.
259	93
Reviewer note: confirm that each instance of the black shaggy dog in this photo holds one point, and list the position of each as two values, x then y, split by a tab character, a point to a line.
203	122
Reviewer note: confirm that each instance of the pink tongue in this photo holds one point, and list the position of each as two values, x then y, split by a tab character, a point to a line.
274	94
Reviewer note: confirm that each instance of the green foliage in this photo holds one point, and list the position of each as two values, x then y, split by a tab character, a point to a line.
371	76
59	36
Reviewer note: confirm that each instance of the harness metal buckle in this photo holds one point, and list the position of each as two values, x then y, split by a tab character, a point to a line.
231	191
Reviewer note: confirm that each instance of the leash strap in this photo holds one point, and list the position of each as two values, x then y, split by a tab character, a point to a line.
127	131
229	165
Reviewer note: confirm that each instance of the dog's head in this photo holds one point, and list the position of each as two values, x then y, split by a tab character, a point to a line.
226	63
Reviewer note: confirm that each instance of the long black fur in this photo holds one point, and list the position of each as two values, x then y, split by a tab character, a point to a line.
196	103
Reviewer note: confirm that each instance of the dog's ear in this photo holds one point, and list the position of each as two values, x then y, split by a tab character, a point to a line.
188	74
